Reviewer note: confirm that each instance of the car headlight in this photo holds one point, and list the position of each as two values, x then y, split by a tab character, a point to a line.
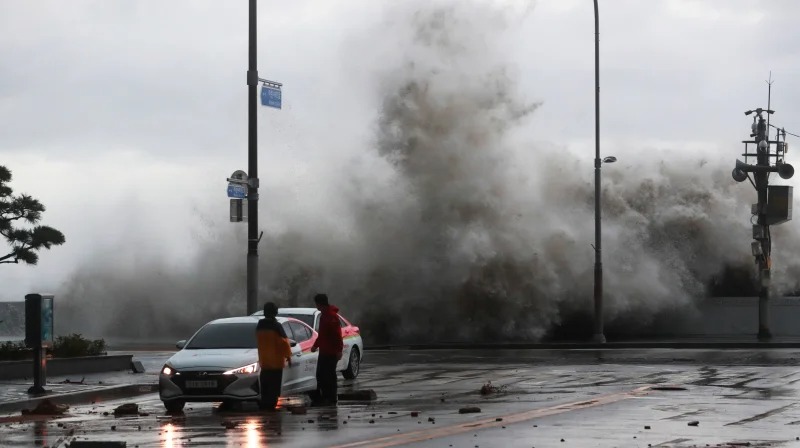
246	370
167	370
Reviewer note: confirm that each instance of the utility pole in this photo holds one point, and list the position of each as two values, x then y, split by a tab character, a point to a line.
774	202
252	168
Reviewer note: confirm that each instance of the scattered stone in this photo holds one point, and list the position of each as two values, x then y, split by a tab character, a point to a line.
372	421
344	422
47	407
127	409
499	419
311	420
113	427
144	414
469	410
694	423
414	413
105	414
488	389
647	427
392	412
562	440
60	425
430	419
359	395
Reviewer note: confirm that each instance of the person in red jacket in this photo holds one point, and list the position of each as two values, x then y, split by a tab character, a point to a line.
330	345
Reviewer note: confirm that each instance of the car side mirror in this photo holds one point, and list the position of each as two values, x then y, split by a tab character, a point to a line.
180	344
292	343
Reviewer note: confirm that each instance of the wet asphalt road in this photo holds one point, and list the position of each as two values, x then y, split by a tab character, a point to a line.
586	398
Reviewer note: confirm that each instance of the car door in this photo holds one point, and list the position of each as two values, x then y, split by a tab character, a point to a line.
347	345
291	374
307	373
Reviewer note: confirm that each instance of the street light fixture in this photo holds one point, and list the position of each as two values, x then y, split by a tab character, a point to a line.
599	337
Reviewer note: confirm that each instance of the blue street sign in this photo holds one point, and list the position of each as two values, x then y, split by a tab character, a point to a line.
237	191
271	96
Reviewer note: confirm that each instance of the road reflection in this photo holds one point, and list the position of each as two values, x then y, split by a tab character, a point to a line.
252	428
168	435
240	427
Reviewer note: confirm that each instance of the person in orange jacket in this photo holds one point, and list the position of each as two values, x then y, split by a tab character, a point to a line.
330	345
273	354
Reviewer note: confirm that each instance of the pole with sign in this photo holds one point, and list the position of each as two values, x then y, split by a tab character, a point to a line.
271	97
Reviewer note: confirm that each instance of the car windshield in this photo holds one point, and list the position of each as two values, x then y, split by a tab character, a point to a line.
228	335
308	319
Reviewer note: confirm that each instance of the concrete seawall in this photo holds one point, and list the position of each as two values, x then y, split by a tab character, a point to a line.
66	366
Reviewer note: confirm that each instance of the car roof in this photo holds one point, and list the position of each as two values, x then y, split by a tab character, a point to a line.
297	310
242	320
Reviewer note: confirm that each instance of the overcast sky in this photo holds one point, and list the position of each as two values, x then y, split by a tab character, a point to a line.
124	117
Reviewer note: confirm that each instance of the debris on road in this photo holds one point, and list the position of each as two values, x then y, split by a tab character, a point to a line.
469	410
488	389
127	409
69	381
359	395
694	423
647	427
414	413
230	424
298	410
668	388
47	407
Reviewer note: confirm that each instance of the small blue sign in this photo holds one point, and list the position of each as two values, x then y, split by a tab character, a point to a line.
271	96
237	191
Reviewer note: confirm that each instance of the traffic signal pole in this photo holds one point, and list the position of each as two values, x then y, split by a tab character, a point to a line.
773	206
762	235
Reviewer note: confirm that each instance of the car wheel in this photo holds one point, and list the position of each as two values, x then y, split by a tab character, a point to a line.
354	365
174	405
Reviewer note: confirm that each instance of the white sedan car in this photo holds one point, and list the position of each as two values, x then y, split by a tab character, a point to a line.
353	352
220	363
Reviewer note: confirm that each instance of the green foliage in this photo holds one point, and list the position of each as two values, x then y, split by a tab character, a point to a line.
76	345
25	242
13	351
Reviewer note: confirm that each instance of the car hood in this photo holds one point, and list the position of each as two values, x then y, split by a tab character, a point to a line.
208	359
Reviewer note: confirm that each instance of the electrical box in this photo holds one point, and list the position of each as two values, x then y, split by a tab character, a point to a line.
238	210
758	232
39	320
779	204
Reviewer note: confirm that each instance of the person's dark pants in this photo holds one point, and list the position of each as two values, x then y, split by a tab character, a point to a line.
326	378
271	381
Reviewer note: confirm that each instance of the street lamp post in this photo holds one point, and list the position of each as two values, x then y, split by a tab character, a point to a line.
599	335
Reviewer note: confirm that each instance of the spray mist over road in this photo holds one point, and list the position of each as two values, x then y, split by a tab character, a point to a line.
450	225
